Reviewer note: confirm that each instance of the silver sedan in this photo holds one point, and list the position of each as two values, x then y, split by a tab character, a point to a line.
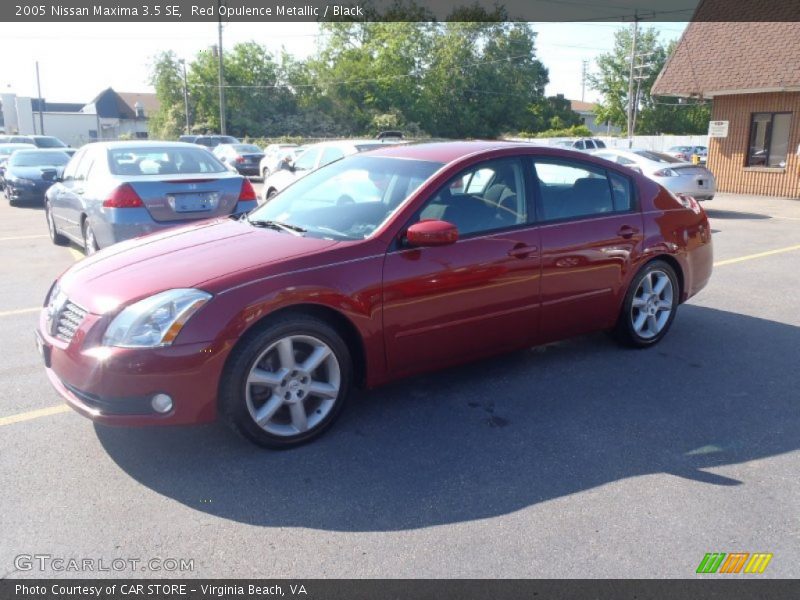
676	175
114	191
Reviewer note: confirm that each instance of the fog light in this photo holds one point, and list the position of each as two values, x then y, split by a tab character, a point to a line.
161	403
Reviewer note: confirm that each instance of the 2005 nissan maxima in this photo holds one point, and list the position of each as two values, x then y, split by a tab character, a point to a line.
114	191
460	250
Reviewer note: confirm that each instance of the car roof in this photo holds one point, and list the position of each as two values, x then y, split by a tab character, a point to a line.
129	144
443	152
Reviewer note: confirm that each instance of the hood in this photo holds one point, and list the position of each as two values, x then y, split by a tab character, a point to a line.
210	255
29	172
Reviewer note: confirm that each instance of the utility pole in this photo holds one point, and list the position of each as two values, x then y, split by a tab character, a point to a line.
630	79
585	64
222	126
185	95
640	76
41	101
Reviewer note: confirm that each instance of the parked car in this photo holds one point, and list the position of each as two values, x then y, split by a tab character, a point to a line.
189	139
587	144
212	141
271	320
274	154
114	191
7	150
674	174
29	173
686	152
47	141
314	157
16	139
242	158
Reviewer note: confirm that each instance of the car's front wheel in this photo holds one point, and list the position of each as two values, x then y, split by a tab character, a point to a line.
89	240
55	236
287	383
650	305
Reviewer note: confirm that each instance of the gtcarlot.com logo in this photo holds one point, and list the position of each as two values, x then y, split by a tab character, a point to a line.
735	562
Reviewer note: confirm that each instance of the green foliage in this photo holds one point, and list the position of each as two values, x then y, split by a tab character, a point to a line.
655	115
166	78
574	131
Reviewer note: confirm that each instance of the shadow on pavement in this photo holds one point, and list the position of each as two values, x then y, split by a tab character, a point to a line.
500	435
733	214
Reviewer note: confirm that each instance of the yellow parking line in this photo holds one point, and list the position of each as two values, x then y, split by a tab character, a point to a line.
19	311
34	414
76	254
21	237
758	255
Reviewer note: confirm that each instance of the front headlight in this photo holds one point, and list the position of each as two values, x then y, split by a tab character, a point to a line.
154	321
21	182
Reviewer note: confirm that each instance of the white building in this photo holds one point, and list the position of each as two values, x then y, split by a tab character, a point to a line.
589	118
108	116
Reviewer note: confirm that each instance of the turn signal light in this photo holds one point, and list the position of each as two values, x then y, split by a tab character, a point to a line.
123	196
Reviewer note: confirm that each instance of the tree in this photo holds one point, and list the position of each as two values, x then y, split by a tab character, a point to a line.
165	76
654	115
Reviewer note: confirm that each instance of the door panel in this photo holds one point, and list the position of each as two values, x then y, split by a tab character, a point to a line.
473	298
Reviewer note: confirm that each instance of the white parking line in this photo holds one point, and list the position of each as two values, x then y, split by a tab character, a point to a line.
21	237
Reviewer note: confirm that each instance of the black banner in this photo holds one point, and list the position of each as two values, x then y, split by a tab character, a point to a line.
399	589
396	10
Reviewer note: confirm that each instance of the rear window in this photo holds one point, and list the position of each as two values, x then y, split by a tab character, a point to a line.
365	147
657	156
246	148
49	142
600	143
44	158
162	161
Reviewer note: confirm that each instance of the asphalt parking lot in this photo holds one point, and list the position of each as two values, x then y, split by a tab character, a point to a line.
579	459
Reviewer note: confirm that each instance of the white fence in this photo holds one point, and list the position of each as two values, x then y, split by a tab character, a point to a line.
658	143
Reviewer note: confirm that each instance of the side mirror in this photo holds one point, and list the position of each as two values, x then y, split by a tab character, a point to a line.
50	175
430	232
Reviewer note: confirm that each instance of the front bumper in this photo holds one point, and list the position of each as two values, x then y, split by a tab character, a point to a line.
116	385
25	194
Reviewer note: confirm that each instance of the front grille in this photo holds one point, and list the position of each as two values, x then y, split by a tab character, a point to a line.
69	319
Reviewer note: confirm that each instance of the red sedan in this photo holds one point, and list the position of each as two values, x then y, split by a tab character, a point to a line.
378	266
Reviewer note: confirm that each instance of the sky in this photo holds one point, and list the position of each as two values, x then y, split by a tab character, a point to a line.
78	61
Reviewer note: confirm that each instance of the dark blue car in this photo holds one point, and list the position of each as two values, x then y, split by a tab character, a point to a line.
29	173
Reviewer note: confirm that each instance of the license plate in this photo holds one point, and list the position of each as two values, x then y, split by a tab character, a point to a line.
193	202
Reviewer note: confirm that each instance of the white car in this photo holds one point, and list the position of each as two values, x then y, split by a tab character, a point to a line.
676	175
314	157
274	154
583	144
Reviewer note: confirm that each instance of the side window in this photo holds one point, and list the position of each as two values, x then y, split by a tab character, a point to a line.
622	191
600	143
483	198
72	165
580	145
329	155
589	145
307	160
82	171
570	190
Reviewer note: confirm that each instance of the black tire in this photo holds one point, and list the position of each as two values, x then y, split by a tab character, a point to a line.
55	237
625	330
89	241
271	193
264	174
233	402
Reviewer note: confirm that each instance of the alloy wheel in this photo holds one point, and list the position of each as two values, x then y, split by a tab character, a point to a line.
652	304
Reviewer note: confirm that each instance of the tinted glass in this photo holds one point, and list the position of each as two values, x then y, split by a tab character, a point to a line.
307	160
657	156
49	142
152	160
570	190
246	148
483	198
331	154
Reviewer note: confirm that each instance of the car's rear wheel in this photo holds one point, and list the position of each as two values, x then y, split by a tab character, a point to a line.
55	237
89	240
650	305
286	384
271	193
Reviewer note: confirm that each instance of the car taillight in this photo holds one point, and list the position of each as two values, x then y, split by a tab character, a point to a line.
247	194
123	196
239	159
690	203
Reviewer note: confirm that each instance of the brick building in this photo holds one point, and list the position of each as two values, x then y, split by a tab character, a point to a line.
751	72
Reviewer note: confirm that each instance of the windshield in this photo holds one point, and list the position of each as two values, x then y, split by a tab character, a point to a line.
8	149
348	199
154	160
246	148
45	158
657	156
49	142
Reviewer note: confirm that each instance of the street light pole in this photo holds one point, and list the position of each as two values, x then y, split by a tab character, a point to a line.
41	101
185	96
630	80
222	125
